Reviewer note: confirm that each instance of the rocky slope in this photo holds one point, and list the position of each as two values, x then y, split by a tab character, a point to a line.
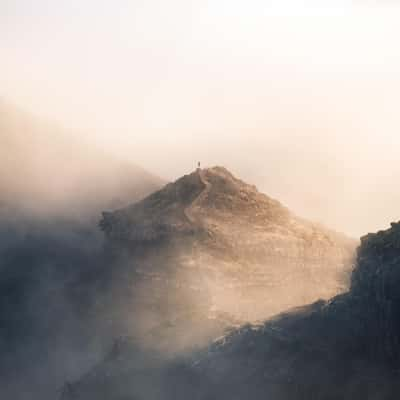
346	348
204	254
247	254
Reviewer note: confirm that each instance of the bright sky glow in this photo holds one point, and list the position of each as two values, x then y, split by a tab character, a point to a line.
227	81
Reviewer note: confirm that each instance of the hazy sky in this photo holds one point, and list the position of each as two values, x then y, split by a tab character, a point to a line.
299	97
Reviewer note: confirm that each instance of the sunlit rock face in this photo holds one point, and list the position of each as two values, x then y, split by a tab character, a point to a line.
222	241
346	348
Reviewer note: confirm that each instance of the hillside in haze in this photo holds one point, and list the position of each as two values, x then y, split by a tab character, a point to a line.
47	171
346	348
52	189
203	254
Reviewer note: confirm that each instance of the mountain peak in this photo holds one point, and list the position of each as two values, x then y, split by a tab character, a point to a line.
219	172
224	181
211	220
209	252
194	203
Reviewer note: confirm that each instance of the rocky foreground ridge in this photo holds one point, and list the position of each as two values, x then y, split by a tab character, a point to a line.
345	348
219	237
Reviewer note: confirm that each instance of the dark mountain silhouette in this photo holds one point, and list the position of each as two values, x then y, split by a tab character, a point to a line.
346	348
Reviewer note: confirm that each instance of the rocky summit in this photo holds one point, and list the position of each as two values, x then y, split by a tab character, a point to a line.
225	242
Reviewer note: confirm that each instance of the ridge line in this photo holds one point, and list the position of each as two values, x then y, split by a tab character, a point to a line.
190	211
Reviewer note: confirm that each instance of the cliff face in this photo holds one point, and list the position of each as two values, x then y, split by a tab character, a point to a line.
376	282
219	236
